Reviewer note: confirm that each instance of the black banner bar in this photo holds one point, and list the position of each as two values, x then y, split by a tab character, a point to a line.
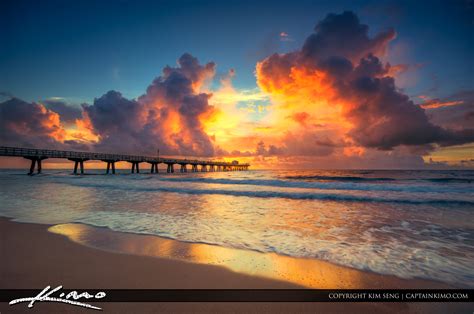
254	295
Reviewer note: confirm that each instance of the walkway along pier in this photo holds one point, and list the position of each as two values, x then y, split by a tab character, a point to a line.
38	155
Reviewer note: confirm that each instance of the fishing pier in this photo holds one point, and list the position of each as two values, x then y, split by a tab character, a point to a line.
79	158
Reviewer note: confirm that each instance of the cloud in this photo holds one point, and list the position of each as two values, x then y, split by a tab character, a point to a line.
342	35
118	123
455	111
284	36
179	108
435	103
334	101
338	77
169	116
68	113
29	125
300	117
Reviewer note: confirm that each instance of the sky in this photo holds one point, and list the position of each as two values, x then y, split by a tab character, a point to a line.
308	84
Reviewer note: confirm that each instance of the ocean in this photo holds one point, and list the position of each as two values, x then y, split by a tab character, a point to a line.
410	224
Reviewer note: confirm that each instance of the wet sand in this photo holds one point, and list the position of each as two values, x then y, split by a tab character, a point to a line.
32	257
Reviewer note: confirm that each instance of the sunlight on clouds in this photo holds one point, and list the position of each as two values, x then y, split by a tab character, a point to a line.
236	109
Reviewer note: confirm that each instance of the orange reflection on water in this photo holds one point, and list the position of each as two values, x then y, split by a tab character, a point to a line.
301	271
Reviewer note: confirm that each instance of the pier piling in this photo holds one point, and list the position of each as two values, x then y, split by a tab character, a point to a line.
78	163
154	167
35	164
170	168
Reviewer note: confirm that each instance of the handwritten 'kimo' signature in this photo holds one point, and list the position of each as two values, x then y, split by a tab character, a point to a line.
71	298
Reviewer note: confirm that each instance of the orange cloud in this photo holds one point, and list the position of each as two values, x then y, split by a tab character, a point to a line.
338	79
23	123
439	104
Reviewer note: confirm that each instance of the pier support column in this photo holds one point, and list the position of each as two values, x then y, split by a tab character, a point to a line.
78	163
170	168
135	166
154	167
203	168
35	163
32	168
110	165
194	168
38	161
183	168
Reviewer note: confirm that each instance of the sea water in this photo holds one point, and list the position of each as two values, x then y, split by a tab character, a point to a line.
411	224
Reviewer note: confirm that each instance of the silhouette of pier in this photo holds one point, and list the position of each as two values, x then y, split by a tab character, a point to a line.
79	158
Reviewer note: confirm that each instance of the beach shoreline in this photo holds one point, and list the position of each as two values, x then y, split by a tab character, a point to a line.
35	258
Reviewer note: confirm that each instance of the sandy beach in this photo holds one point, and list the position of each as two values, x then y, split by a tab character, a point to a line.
35	258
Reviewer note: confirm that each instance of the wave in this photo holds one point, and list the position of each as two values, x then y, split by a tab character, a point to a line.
337	178
454	180
280	194
363	179
351	186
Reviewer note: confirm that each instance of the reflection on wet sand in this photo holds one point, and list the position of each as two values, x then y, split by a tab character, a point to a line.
305	272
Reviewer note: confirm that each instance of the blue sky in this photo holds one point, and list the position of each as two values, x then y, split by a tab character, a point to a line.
81	49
